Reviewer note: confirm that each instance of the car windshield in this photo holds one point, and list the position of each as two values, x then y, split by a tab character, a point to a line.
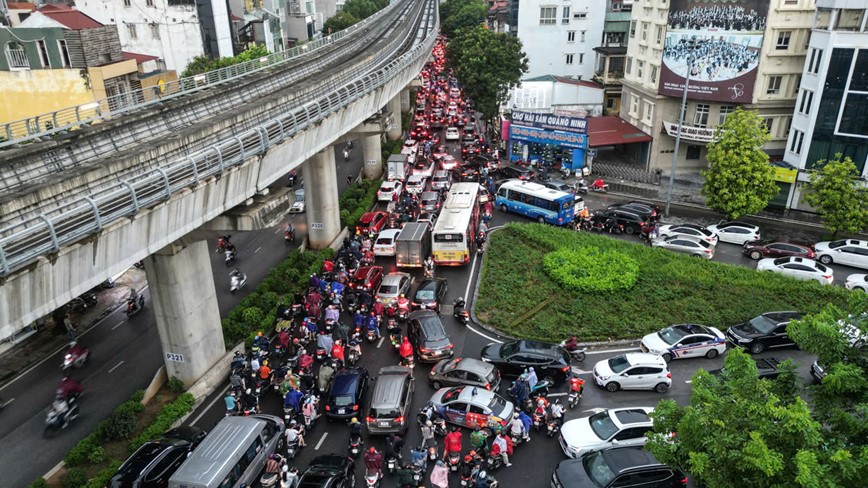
762	324
497	404
425	295
509	349
671	335
618	364
602	425
599	472
343	401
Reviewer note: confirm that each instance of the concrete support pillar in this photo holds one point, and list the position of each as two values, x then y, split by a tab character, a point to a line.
405	101
373	152
321	199
185	304
395	108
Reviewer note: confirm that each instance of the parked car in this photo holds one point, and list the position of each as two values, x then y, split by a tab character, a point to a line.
757	250
441	179
384	245
617	467
614	426
429	295
798	268
367	277
391	400
452	134
762	332
153	464
633	371
464	371
558	185
690	230
387	190
735	232
347	393
851	252
857	282
392	286
512	358
685	341
428	336
686	245
469	406
372	222
329	471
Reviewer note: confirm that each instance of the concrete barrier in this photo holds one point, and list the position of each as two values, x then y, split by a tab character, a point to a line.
160	379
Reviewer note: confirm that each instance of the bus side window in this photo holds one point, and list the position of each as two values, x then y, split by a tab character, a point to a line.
502	193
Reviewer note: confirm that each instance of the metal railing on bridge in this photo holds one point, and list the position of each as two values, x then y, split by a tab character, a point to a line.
23	243
72	118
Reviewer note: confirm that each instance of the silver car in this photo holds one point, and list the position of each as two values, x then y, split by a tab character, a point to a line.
393	286
686	245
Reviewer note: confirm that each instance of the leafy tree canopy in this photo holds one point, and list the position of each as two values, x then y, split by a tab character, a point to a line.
203	64
362	9
835	191
740	180
337	22
456	15
489	64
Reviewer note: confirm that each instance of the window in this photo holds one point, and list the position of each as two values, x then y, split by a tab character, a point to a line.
649	112
128	3
634	105
640	67
783	40
632	29
131	31
155	31
571	36
653	74
64	53
659	35
788	125
769	123
581	58
569	59
644	31
693	152
43	53
16	56
582	37
580	15
796	85
700	118
149	3
796	143
566	16
724	111
814	63
610	102
629	65
547	15
774	87
807	99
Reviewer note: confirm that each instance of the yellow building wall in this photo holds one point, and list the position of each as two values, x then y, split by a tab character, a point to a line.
155	85
99	74
28	93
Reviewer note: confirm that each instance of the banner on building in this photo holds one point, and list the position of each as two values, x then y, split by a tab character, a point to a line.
544	136
689	132
725	62
550	121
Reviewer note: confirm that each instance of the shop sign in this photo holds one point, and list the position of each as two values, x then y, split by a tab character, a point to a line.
689	132
551	121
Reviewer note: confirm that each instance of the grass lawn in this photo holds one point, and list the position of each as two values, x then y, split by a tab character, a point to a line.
519	298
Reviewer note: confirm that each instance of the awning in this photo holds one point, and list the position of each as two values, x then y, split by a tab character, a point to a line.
613	131
140	58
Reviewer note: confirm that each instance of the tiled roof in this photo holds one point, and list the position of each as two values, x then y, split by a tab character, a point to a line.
69	17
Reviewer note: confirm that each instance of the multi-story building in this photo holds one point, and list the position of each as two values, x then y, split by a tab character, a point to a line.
175	31
13	13
612	52
830	112
559	37
747	53
499	16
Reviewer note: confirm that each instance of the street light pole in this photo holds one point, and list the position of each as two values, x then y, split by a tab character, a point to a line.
691	45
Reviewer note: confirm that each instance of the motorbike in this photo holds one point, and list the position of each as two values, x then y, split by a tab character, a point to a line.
552	427
392	464
493	462
289	413
395	337
460	314
346	155
408	361
578	354
352	356
58	418
288	237
355	446
76	359
329	325
372	335
291	449
230	257
596	186
222	243
268	480
537	421
236	281
320	354
453	461
573	399
135	305
372	478
439	423
402	314
540	389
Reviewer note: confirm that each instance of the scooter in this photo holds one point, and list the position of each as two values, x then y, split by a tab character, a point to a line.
57	419
551	427
230	257
267	480
372	478
408	361
577	354
291	449
392	464
494	461
134	305
460	314
288	237
372	335
453	461
236	281
352	356
355	446
76	359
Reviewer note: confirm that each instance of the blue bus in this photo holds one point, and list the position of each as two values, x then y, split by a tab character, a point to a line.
537	202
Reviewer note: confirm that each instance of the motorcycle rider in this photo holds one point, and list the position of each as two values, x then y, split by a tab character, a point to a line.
452	442
531	378
440	475
326	371
478	440
76	349
403	304
480	241
572	344
356	431
405	477
68	387
337	352
293	434
292	399
324	341
520	390
134	299
354	345
516	429
577	384
406	350
374	462
394	445
237	274
502	446
308	410
556	411
332	313
428	439
231	403
289	231
272	466
249	401
373	324
428	265
342	332
358	320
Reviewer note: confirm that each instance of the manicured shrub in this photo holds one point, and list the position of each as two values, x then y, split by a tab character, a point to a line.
96	456
79	453
39	483
122	422
589	269
167	416
74	478
102	478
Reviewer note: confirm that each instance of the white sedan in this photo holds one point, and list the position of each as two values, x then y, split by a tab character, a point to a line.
388	189
798	268
385	243
685	341
615	426
735	232
452	134
858	282
691	230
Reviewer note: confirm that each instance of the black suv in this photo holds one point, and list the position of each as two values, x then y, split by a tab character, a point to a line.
512	358
632	222
429	337
329	471
347	393
617	466
156	461
647	210
762	332
510	172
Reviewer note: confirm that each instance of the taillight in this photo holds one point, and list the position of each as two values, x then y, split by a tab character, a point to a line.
370	419
709	251
448	346
684	481
828	277
565	369
328	408
488	386
669	375
399	420
355	408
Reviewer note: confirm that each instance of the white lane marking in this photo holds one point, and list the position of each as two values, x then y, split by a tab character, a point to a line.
7	403
577	371
257	250
118	324
381	342
116	366
321	439
206	409
607	351
278	229
467	294
560	394
688	381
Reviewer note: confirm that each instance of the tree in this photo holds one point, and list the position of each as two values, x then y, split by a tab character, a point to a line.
204	64
489	64
362	9
456	15
835	191
338	22
740	180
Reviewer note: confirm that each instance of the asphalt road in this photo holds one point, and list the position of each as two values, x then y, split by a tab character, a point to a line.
125	355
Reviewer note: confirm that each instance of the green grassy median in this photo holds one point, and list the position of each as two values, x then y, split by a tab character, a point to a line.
519	297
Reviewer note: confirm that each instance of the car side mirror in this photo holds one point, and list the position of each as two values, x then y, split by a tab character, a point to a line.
615	442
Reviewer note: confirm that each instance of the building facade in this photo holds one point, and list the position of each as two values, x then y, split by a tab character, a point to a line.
611	52
747	53
559	37
832	103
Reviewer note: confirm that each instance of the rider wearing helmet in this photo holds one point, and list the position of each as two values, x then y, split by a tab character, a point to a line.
68	387
374	462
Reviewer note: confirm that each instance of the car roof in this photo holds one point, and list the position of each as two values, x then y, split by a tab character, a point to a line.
693	329
539	347
430	324
429	282
630	416
441	173
345	380
482	396
389	233
416	177
685	237
390	183
472	365
429	195
637	358
394	278
626	457
364	271
736	223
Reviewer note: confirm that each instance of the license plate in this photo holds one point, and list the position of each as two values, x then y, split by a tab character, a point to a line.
342	411
384	423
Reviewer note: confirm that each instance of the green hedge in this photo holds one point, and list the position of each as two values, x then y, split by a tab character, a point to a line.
517	296
170	413
120	425
102	478
588	269
356	200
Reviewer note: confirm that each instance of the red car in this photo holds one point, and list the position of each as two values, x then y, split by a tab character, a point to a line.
368	278
372	221
770	249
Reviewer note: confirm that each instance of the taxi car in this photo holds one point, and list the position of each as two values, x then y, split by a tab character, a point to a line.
471	406
685	341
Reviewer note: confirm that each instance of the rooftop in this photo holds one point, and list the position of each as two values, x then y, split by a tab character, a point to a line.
68	17
611	130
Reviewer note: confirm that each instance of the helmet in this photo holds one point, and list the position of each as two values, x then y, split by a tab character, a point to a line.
540	401
265	363
402	295
472	454
72	344
483	474
372	450
248	391
354	420
293	422
476	429
558	401
429	423
468	458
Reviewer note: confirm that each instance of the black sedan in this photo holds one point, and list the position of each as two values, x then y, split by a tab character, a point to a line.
762	332
510	172
429	295
647	210
512	358
329	471
156	461
465	174
429	337
347	393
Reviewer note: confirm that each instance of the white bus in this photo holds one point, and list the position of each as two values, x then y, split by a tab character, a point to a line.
454	232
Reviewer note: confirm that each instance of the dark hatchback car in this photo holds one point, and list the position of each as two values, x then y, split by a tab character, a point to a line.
347	393
429	337
632	222
771	249
466	174
762	332
616	467
512	358
510	172
156	461
429	295
464	371
329	471
368	278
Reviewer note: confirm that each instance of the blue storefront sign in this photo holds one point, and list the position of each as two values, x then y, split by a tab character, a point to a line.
551	122
567	134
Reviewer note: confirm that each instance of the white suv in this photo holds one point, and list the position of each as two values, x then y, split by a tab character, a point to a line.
851	252
633	371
